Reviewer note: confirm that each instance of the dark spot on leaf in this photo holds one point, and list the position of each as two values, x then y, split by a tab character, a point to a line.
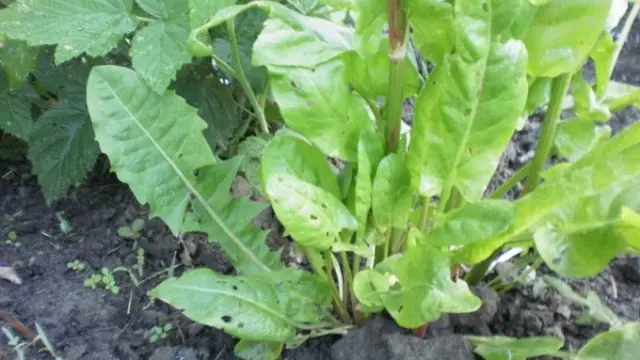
179	155
226	318
313	217
433	82
485	7
294	84
400	308
327	233
305	332
324	206
240	325
196	172
235	288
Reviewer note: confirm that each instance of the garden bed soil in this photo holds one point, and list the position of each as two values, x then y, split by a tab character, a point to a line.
85	323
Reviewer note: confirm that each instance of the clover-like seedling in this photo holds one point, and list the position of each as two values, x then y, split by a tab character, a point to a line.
159	332
76	265
132	231
105	277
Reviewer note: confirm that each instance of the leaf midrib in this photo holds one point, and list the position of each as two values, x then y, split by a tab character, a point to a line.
189	185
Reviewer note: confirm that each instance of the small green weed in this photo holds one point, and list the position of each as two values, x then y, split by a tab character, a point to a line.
159	332
13	239
106	278
76	265
132	231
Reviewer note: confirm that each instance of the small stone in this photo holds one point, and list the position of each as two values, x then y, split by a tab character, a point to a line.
564	311
179	352
405	347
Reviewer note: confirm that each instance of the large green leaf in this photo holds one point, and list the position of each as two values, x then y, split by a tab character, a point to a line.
160	49
318	104
611	163
433	27
391	194
149	150
369	75
17	59
468	110
158	156
243	244
291	39
472	223
372	17
288	154
266	307
15	114
76	26
562	33
312	216
507	348
424	289
621	343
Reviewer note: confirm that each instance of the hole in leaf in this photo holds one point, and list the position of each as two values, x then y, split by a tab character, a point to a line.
226	318
305	332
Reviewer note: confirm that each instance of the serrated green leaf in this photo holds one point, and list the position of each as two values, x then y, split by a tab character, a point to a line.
621	343
291	155
214	101
507	348
17	59
433	27
313	216
15	114
231	227
248	26
202	11
424	288
62	148
150	151
459	130
611	163
164	9
265	307
575	137
318	104
472	223
391	194
160	49
76	26
562	33
258	350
